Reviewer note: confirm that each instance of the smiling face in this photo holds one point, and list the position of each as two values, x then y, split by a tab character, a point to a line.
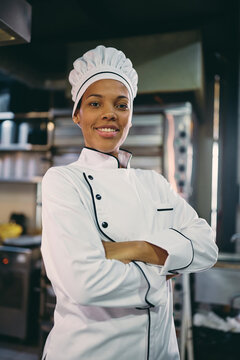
105	115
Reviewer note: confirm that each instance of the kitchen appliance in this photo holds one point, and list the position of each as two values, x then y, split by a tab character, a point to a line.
15	29
178	148
19	288
161	139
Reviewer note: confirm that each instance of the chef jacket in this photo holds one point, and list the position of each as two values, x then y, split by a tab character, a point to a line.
108	310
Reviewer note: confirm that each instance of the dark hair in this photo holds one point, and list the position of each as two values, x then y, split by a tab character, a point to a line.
79	104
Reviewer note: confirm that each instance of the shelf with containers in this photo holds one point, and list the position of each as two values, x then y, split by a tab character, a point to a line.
25	145
30	143
25	156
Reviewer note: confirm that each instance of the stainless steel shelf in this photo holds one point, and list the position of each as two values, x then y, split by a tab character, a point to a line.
36	115
26	147
33	180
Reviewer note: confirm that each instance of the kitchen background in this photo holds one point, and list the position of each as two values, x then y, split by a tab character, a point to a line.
185	125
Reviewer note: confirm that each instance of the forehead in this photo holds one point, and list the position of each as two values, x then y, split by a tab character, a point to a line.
107	86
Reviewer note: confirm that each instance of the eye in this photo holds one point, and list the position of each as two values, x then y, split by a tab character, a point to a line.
94	104
122	106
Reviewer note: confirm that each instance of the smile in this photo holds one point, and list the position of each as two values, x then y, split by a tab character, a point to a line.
107	132
107	129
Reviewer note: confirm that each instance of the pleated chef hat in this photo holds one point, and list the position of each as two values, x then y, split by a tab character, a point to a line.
101	63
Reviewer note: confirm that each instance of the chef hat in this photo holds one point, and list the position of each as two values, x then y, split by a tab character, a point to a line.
101	63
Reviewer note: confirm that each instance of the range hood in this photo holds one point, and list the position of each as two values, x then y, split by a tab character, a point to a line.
15	22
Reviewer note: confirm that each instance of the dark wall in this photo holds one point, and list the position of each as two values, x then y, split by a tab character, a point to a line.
20	98
220	40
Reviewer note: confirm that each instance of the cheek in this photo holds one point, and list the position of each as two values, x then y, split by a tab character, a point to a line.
128	124
126	130
85	122
126	119
85	130
127	127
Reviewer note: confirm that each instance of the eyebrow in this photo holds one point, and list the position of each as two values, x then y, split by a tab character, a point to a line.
100	96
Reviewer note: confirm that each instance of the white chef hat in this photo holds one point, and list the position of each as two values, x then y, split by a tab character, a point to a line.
101	63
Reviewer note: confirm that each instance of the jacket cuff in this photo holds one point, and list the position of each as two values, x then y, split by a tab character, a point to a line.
179	247
157	290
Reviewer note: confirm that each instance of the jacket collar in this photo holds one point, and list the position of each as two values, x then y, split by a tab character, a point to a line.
95	159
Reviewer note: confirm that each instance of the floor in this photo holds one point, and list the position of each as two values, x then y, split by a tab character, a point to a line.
14	349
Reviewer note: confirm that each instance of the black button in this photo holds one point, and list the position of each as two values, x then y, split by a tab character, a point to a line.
90	177
104	224
98	197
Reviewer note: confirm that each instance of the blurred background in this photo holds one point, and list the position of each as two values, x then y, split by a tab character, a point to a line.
185	126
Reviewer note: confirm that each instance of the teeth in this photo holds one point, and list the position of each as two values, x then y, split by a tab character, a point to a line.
107	129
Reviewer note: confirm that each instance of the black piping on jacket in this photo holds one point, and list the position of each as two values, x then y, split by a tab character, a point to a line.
101	152
150	305
174	271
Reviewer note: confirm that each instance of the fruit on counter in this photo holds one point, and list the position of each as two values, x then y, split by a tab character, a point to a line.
10	230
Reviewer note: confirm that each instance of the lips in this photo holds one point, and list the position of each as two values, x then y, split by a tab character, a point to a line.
110	127
107	131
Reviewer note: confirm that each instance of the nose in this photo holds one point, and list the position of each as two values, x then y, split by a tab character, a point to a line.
109	114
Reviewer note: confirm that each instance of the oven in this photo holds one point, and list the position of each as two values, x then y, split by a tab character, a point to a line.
19	291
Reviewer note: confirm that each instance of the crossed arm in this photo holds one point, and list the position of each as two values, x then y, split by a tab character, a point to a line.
128	251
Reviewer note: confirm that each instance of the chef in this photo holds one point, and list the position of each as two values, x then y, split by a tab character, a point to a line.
113	236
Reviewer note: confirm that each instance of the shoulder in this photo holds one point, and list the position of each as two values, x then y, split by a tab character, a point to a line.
150	176
57	176
157	185
54	172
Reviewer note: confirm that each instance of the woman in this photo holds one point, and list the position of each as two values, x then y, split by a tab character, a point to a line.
112	235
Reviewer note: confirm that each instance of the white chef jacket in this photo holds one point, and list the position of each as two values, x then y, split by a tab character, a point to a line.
108	310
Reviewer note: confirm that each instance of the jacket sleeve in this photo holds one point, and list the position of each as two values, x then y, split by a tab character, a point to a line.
74	256
189	242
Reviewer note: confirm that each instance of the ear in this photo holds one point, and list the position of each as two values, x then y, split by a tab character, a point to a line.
76	117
